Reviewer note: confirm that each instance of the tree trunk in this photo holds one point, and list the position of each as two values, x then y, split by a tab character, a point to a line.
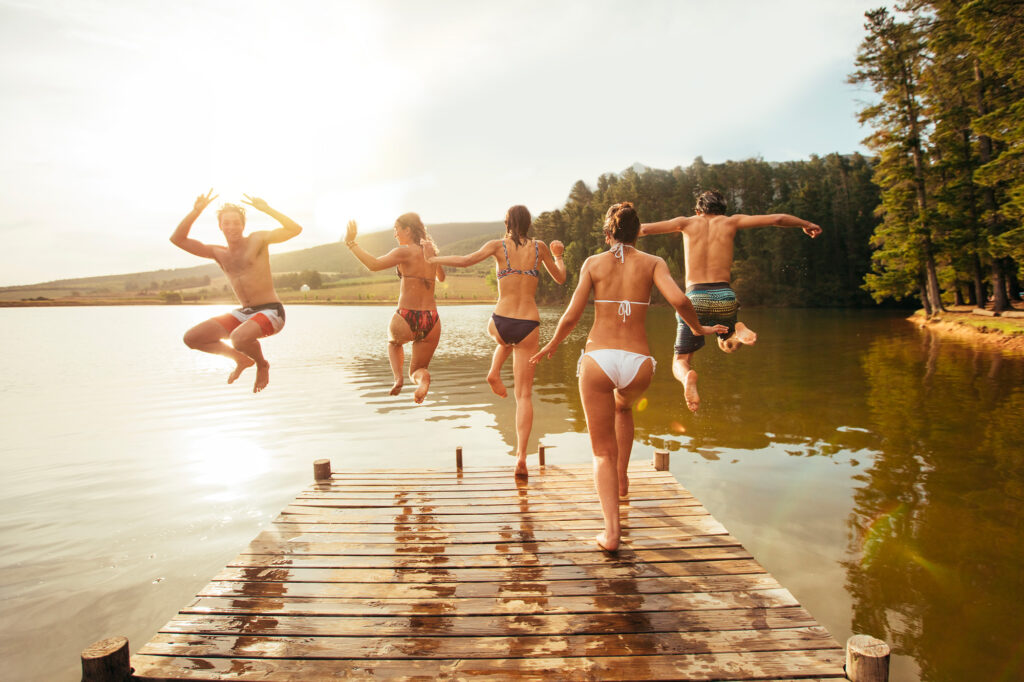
979	283
999	302
1013	284
923	293
958	294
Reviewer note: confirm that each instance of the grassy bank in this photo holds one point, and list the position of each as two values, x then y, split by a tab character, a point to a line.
998	333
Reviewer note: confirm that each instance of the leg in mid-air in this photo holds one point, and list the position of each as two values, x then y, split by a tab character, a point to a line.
687	376
501	353
422	351
245	338
209	337
399	334
523	372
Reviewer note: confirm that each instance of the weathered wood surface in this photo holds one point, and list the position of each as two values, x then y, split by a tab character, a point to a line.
445	575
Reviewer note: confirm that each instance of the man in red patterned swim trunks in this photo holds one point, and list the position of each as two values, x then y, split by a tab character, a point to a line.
246	262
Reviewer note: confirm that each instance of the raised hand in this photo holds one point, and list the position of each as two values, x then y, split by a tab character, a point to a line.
350	232
256	203
812	230
203	200
557	248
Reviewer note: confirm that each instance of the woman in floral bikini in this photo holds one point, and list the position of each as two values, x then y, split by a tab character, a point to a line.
416	319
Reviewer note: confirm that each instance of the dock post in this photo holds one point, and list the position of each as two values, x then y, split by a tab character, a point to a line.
867	659
107	661
661	460
458	458
322	470
540	454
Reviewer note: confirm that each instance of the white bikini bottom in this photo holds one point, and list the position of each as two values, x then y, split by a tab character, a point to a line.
620	366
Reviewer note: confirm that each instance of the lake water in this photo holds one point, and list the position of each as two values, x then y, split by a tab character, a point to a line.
876	471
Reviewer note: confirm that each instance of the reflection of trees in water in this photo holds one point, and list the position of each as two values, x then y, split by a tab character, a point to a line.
937	529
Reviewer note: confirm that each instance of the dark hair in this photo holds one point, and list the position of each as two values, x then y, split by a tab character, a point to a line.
622	222
417	230
711	202
231	208
517	223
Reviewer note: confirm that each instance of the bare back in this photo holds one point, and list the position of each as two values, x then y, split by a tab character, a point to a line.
418	281
628	285
517	290
708	248
246	264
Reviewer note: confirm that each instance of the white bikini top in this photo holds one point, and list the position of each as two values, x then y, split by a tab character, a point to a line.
624	306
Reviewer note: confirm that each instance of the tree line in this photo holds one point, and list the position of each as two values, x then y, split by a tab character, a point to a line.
948	132
772	267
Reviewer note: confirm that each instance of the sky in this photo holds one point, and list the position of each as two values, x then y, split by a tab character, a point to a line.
116	114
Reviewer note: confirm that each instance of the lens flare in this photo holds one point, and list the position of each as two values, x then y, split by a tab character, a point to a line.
641	405
676	427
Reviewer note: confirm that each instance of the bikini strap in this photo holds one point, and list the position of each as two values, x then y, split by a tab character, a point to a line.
536	256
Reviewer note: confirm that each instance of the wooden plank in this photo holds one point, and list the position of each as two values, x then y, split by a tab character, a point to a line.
511	589
255	622
689	525
819	663
622	557
585	543
402	515
198	645
403	497
441	509
486	524
490	574
521	606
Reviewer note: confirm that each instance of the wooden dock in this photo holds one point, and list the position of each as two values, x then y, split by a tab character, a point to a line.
469	574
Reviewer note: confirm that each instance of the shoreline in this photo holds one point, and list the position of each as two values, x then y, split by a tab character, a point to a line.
1004	334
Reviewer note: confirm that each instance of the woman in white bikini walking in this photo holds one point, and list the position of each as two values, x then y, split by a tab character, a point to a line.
616	366
514	326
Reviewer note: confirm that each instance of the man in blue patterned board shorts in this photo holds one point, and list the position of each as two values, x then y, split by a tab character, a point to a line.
708	238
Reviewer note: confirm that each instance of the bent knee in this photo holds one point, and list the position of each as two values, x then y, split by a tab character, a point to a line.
191	340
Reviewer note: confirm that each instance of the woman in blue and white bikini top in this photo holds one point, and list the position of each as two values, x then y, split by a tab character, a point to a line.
616	366
514	326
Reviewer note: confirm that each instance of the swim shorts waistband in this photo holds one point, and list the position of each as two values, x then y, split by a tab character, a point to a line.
707	286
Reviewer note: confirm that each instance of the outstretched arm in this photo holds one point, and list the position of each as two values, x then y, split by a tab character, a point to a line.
180	236
664	226
571	316
372	263
744	222
469	259
552	259
289	228
678	300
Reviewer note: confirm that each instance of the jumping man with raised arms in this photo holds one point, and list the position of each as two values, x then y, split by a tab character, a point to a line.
246	262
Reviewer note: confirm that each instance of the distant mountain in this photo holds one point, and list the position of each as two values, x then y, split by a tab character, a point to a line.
334	258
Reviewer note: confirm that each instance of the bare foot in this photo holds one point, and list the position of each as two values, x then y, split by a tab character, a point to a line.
521	470
396	388
745	334
421	390
262	377
240	367
607	544
497	386
690	391
623	486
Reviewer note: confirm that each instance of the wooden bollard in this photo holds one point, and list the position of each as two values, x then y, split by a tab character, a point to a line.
107	661
867	659
540	454
322	470
661	460
458	458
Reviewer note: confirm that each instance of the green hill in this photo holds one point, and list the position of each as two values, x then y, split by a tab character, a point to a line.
334	258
